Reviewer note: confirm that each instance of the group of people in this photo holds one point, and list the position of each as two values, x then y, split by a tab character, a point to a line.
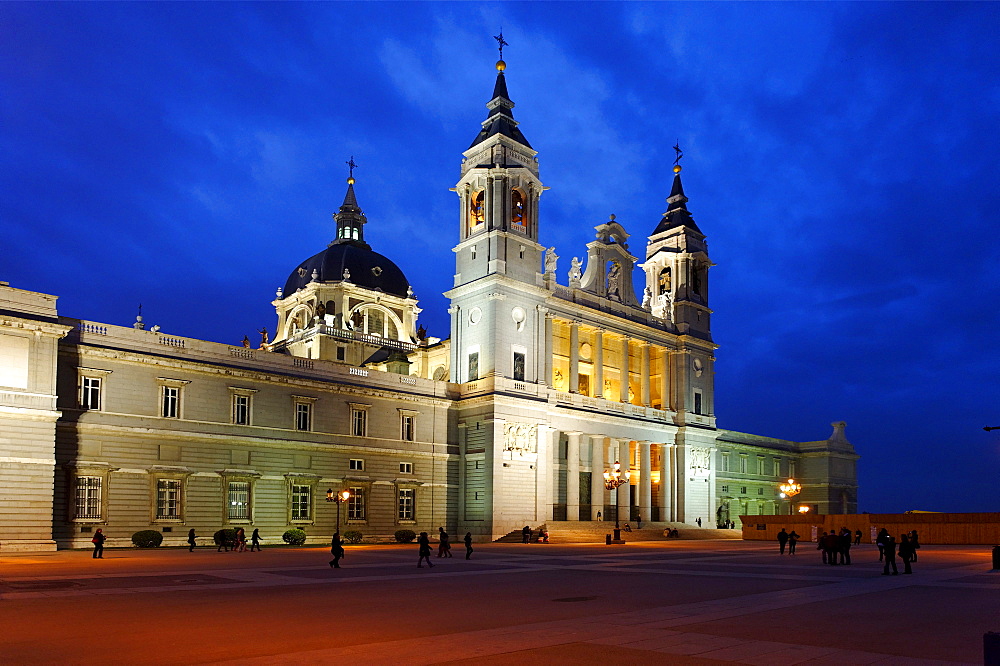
907	548
444	547
238	542
836	547
526	534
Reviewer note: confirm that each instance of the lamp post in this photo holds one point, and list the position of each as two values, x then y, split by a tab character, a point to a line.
613	480
789	489
339	498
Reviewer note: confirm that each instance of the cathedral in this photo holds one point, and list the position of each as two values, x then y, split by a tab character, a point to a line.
550	381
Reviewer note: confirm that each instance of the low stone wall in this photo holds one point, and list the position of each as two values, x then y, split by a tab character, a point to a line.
932	528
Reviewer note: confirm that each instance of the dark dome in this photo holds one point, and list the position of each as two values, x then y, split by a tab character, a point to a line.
368	269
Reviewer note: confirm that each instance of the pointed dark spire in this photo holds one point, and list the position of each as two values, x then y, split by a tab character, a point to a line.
677	214
350	218
500	119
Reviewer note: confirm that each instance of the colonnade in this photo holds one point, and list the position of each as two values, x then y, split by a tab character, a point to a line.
652	361
604	452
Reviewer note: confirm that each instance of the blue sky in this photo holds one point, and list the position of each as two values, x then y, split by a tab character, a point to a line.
841	159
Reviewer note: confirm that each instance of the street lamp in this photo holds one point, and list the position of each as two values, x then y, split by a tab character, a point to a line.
612	481
339	498
789	489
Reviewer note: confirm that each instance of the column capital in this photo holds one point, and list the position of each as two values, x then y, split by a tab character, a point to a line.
642	442
453	309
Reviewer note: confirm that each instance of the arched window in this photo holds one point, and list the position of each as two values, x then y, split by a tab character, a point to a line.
372	320
665	280
517	208
476	203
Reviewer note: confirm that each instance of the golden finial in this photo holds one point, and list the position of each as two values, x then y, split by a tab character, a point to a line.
351	164
677	168
350	181
501	65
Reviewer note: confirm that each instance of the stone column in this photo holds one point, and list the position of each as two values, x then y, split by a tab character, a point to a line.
599	364
597	476
573	476
456	347
645	483
665	380
666	484
543	465
645	375
624	492
624	371
574	357
547	351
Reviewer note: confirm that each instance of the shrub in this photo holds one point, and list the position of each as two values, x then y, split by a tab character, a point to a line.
405	536
147	539
294	537
353	536
225	537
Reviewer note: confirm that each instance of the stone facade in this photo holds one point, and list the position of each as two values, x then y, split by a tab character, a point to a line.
539	388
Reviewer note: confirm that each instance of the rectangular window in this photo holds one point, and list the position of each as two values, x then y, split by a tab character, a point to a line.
760	491
725	489
359	422
743	464
406	497
239	500
241	409
760	465
777	467
406	468
473	366
303	416
519	366
725	462
88	497
168	498
301	502
791	469
356	504
407	424
90	392
356	465
171	402
697	402
340	354
472	251
743	490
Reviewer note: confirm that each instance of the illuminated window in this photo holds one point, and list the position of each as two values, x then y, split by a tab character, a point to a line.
168	499
517	208
476	207
356	504
301	502
238	499
88	498
406	503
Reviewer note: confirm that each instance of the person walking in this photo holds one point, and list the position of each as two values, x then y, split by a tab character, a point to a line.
444	543
425	550
241	541
845	546
98	542
337	549
255	540
906	552
889	550
699	521
782	540
857	538
793	538
821	545
468	545
880	542
191	538
526	534
915	543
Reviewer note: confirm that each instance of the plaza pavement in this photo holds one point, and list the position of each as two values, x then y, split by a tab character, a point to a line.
686	602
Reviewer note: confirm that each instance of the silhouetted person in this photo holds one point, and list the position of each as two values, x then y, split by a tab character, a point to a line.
880	542
821	545
98	542
627	528
255	539
191	538
889	550
906	552
337	549
599	516
915	542
845	545
857	538
526	534
425	550
698	521
444	543
468	545
241	540
793	539
782	540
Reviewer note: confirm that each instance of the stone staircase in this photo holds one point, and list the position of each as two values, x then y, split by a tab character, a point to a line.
595	531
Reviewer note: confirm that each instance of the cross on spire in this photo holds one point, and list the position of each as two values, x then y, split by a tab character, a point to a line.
500	42
680	153
352	166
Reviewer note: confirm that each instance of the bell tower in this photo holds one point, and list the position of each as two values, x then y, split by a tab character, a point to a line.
495	301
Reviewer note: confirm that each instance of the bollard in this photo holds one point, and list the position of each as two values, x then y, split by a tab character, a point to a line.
607	539
991	648
996	558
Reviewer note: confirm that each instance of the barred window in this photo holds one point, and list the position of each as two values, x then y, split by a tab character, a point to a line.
90	392
88	497
406	502
356	504
168	499
301	502
239	500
